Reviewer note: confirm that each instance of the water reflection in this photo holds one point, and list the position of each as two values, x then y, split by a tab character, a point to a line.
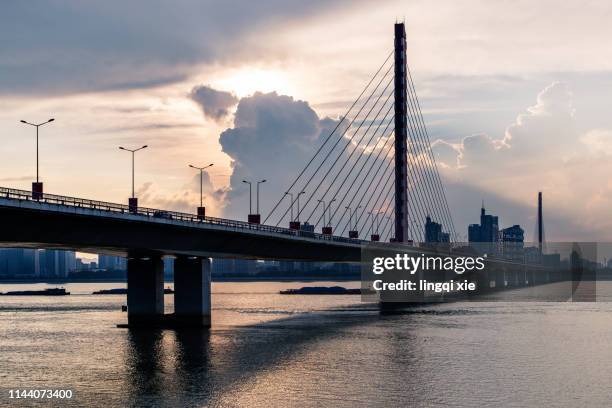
201	367
145	366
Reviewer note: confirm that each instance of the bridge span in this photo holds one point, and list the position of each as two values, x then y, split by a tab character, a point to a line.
144	236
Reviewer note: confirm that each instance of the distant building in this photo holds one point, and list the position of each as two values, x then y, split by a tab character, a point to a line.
484	236
19	262
433	232
112	263
168	268
80	265
222	266
512	246
286	266
487	231
245	266
56	263
533	255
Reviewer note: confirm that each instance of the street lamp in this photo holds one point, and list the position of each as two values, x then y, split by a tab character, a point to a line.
133	201
298	204
374	236
329	219
201	209
294	224
250	196
37	186
291	196
352	232
258	183
327	229
254	218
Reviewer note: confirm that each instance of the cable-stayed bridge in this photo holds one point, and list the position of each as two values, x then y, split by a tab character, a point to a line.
373	178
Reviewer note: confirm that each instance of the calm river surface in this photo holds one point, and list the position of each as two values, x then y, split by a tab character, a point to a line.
270	350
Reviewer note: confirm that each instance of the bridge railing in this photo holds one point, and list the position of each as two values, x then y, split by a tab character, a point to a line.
74	202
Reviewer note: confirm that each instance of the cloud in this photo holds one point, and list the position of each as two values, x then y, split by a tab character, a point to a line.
214	104
541	151
59	47
546	126
598	142
21	178
272	138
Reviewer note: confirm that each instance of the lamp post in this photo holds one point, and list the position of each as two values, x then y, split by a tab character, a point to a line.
133	201
258	183
324	224
37	186
329	218
327	229
298	205
388	217
254	218
201	209
353	233
291	196
294	224
374	236
250	196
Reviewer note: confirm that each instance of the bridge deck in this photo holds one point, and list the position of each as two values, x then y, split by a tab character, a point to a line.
90	225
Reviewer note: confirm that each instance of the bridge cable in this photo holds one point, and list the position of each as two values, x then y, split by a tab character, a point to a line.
416	158
338	141
356	161
389	192
350	140
372	180
355	195
331	134
431	155
387	200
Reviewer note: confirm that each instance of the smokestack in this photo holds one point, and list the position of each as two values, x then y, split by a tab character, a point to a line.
540	222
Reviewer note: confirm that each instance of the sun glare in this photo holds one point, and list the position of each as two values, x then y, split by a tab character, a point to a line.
247	81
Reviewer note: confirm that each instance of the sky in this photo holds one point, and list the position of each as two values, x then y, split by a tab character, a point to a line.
514	95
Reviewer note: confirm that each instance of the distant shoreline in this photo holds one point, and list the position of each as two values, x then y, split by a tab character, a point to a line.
214	279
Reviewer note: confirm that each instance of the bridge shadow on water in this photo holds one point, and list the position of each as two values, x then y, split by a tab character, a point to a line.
218	367
191	367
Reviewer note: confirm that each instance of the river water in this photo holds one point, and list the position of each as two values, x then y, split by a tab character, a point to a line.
267	349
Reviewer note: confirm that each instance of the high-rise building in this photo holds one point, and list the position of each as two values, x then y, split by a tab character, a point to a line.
19	262
56	263
112	263
433	232
487	231
484	237
221	266
512	246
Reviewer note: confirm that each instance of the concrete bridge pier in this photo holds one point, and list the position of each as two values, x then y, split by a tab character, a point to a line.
523	277
512	277
500	278
145	290
192	292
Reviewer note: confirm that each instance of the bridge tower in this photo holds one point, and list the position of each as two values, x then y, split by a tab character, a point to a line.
401	136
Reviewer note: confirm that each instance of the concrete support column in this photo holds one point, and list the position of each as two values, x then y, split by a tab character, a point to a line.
145	292
192	292
500	278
